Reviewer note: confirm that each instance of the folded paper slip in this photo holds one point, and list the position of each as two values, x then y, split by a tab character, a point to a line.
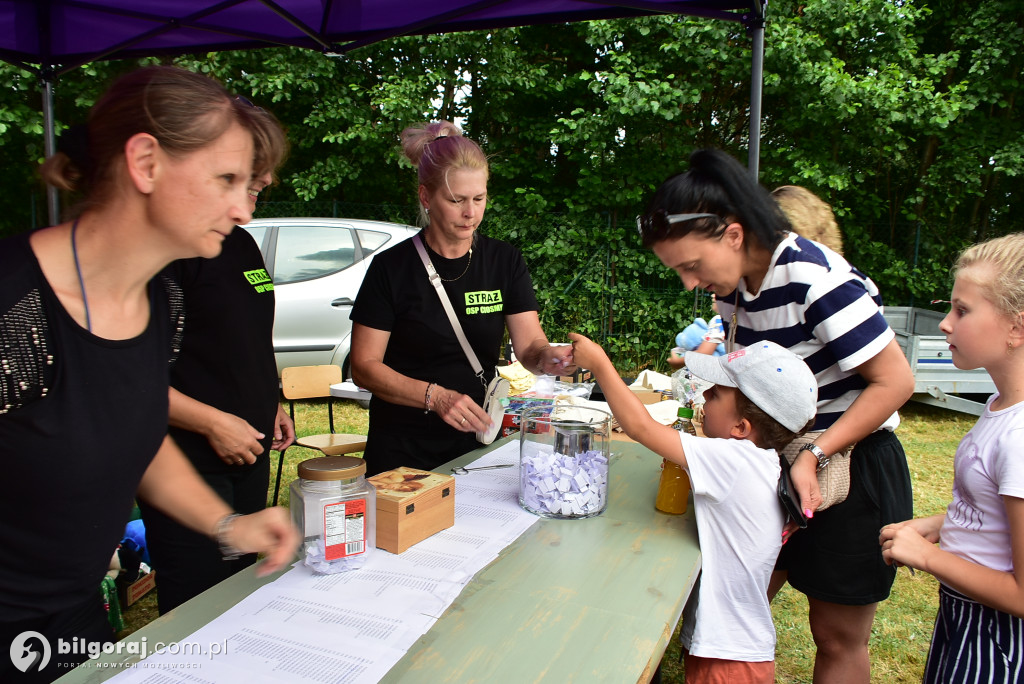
652	380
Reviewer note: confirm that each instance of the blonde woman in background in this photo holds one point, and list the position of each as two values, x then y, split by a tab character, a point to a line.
809	216
225	411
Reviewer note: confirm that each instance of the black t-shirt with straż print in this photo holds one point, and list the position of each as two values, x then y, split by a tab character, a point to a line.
397	296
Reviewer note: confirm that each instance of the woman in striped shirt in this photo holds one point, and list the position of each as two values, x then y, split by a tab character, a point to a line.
722	232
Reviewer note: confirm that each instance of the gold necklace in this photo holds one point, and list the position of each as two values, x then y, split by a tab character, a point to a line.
464	272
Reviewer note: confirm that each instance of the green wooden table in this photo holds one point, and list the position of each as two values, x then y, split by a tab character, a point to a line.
569	601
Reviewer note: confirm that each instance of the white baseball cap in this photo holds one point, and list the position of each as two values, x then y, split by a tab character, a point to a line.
774	378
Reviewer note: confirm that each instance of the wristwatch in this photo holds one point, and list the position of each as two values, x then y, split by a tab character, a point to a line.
823	459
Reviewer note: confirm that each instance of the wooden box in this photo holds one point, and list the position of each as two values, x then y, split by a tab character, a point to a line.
412	505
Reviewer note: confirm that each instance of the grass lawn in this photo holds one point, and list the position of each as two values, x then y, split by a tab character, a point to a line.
903	624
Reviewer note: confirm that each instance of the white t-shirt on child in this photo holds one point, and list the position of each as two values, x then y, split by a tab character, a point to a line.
989	465
739	522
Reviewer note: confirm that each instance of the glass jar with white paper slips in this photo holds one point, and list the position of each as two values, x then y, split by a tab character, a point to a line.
563	461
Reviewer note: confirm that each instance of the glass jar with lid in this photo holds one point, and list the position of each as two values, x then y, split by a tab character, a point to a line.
563	461
335	509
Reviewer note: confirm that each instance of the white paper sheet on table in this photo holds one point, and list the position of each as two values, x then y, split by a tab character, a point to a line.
352	627
665	412
266	652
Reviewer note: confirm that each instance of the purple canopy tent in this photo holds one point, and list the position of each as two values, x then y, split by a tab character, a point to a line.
52	37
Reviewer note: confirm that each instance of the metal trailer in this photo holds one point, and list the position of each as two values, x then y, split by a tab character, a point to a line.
936	380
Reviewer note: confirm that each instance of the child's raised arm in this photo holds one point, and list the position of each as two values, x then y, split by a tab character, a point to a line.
626	406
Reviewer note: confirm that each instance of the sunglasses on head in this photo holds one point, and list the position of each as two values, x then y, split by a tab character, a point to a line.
658	224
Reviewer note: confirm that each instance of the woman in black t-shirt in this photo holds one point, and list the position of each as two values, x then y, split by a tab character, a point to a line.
88	331
426	399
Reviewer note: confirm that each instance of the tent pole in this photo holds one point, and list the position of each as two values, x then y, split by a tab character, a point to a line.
756	27
50	141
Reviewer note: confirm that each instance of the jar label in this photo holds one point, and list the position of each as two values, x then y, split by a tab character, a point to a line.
344	529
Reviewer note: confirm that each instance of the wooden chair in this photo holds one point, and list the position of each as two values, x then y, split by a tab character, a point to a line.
314	382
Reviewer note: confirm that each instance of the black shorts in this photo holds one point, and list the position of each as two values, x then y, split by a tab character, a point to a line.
837	558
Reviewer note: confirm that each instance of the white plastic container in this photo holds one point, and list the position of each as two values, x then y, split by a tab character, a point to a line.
336	511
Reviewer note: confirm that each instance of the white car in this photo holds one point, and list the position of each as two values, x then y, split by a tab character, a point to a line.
317	265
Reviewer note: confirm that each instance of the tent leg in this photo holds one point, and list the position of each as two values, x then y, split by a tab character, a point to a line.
756	27
50	143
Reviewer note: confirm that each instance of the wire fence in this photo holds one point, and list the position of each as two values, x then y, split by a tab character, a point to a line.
589	276
592	275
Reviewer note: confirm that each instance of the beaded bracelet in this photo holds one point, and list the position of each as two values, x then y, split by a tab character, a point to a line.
227	551
426	398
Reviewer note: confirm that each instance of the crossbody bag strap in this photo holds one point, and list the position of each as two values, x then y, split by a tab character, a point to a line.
435	280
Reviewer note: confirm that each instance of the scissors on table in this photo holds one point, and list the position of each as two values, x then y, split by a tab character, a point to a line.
462	470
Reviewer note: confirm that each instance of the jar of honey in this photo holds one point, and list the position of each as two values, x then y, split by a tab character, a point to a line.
674	485
673	489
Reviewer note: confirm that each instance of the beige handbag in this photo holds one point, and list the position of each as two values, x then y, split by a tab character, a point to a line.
833	479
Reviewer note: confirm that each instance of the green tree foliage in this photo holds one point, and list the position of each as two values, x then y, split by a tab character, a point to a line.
21	139
972	180
902	116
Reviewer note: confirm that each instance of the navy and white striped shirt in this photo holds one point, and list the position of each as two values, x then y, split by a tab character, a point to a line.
813	302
